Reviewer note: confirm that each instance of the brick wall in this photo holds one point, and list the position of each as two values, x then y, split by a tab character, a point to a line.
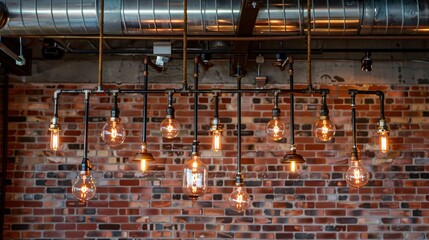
314	204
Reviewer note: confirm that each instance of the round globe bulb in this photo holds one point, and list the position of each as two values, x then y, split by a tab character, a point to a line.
170	128
357	176
324	129
113	132
275	129
84	187
195	176
239	199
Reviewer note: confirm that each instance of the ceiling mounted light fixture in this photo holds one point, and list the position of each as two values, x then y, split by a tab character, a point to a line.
275	128
324	129
357	175
84	188
144	156
366	62
170	127
239	199
215	127
195	172
113	132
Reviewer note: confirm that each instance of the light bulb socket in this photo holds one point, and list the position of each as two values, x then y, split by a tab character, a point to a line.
115	111
196	148
170	112
275	113
86	165
382	126
239	180
215	125
366	62
143	154
55	124
324	111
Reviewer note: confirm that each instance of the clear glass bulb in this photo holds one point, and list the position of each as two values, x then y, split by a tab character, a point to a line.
194	178
216	140
275	129
324	129
55	139
170	127
357	176
113	132
84	187
383	138
239	199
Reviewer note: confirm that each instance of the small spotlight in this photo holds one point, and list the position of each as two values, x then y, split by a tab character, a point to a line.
366	62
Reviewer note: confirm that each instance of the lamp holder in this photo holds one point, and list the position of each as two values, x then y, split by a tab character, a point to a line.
382	126
196	148
239	179
215	125
115	110
86	165
55	124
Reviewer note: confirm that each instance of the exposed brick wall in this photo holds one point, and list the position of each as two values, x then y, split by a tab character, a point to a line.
314	204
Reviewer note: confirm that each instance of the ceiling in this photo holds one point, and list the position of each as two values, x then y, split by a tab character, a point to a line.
221	29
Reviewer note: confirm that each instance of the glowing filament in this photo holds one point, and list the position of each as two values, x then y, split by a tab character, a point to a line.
55	139
293	166
143	165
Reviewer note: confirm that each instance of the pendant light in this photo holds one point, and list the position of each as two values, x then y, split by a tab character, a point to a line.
84	188
357	175
239	199
144	156
170	127
275	128
324	129
382	128
195	172
292	159
113	132
54	126
215	127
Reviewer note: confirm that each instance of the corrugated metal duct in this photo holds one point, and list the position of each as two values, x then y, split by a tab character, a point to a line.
214	17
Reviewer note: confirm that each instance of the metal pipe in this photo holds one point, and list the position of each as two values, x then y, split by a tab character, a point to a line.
145	87
85	130
195	90
19	59
381	96
5	91
185	44
239	122
292	107
100	46
353	94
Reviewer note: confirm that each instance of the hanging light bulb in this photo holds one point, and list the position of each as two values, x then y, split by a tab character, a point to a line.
356	176
216	128
324	129
239	200
84	187
170	127
275	128
194	175
293	159
55	130
144	157
383	135
113	132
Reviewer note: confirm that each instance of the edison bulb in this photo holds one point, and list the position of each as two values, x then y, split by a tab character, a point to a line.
55	139
239	199
113	132
170	127
194	178
324	129
216	140
84	187
275	129
383	137
357	176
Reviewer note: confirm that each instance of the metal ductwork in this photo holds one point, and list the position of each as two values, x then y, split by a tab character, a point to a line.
210	17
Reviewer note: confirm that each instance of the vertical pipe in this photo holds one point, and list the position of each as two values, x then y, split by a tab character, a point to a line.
216	110
239	121
196	103
145	87
381	96
85	131
185	44
353	105
100	46
4	145
292	106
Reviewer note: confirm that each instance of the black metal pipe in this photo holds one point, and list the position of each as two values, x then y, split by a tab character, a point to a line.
381	96
239	121
353	94
85	131
292	107
4	143
195	90
216	103
145	87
